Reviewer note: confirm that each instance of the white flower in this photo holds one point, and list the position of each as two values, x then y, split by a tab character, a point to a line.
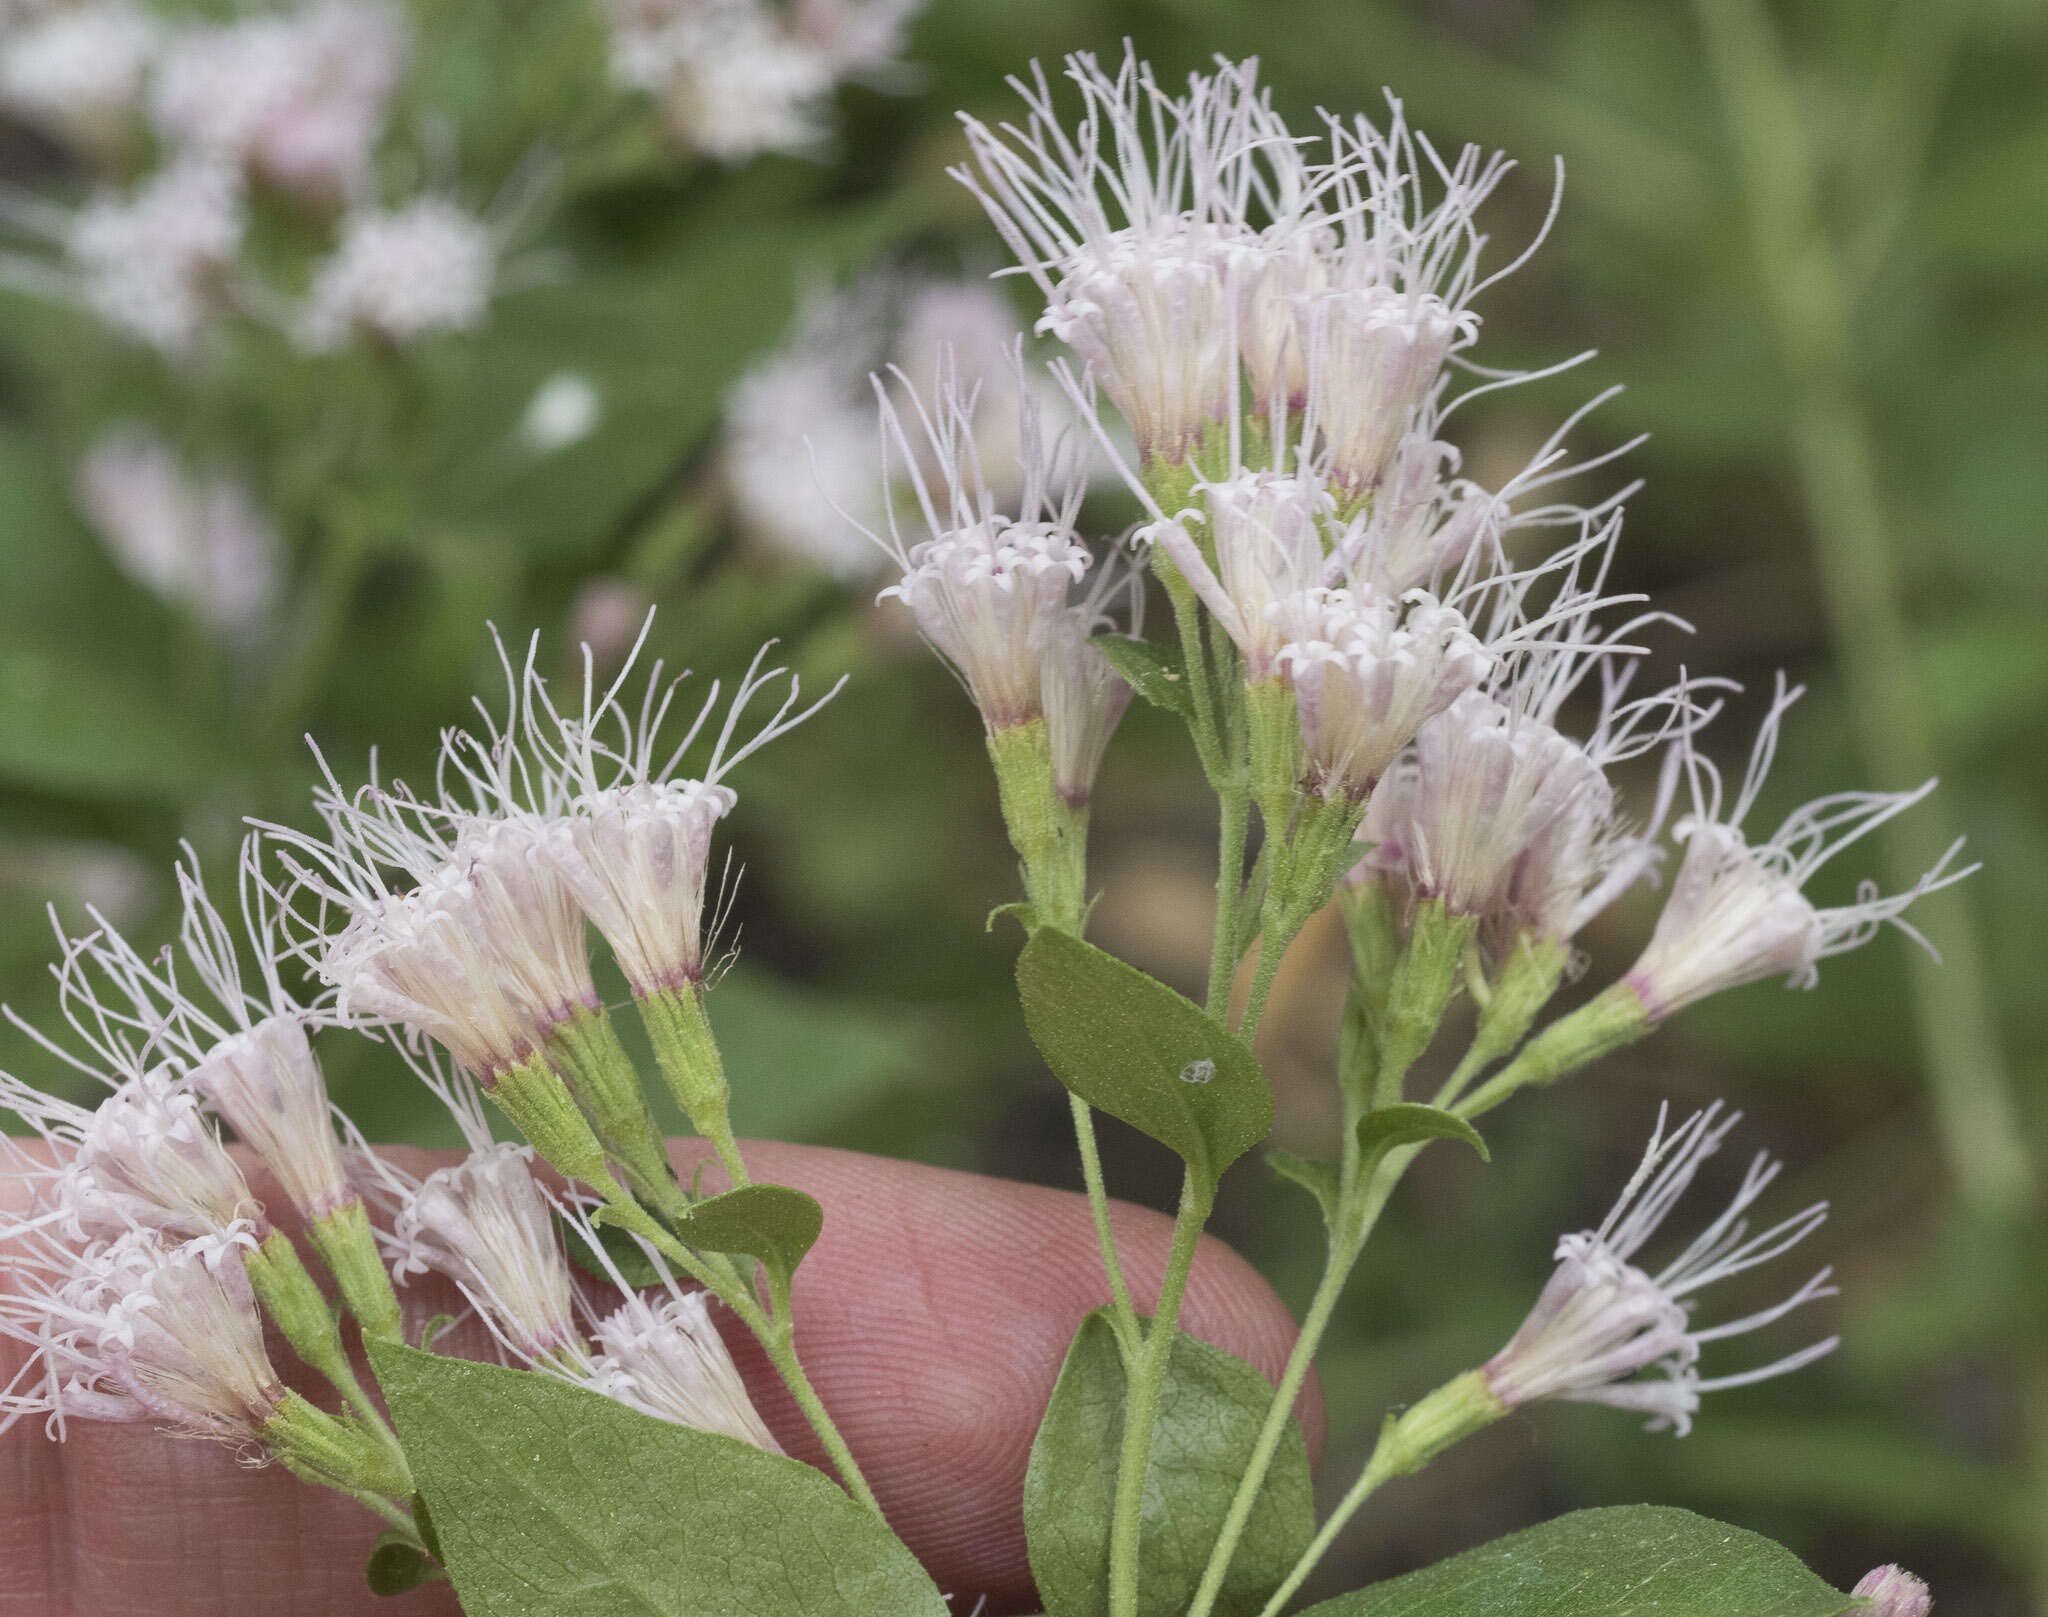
665	1358
987	589
731	80
485	1224
203	544
481	945
967	329
1396	287
1266	532
859	38
266	1084
156	265
564	410
78	72
399	274
1602	1322
800	437
1083	695
299	96
630	841
1134	227
1368	671
1737	914
1894	1592
140	1330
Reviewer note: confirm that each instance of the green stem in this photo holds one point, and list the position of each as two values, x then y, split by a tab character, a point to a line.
1836	459
1336	1271
1141	1404
1448	1415
1272	946
1098	1204
1234	813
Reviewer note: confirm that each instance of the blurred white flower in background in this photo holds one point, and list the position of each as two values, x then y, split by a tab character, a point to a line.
737	77
201	543
564	410
402	273
801	450
78	73
298	96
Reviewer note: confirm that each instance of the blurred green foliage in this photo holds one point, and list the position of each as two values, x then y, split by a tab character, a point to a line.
870	1007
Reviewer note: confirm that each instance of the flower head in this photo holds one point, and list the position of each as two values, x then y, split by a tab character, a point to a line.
403	273
663	1356
1265	530
1368	671
987	589
631	840
1737	914
201	543
1134	226
730	78
1084	696
78	72
1607	1332
139	1329
298	96
485	1224
659	1351
1894	1592
156	264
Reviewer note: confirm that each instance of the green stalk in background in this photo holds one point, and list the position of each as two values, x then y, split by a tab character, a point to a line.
1801	275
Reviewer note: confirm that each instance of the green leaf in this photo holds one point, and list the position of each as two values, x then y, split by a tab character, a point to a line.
1130	1046
68	726
773	1223
550	1501
397	1564
1210	1412
1319	1179
1157	673
1407	1123
1629	1561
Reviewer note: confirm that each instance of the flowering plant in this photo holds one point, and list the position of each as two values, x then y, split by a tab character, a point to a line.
1381	667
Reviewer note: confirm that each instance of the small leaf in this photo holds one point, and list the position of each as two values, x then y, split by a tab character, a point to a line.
1026	914
423	1522
1129	1045
1210	1412
397	1564
1406	1123
773	1223
551	1501
1629	1561
1156	673
1319	1179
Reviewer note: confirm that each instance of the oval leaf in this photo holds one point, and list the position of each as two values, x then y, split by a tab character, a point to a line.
1631	1561
1156	673
550	1501
397	1565
1130	1046
1210	1412
774	1223
1319	1179
1407	1123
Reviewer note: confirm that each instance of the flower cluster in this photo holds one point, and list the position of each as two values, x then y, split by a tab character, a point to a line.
294	101
733	78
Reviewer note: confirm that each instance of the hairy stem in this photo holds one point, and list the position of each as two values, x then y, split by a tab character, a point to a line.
1234	817
1146	1376
1098	1204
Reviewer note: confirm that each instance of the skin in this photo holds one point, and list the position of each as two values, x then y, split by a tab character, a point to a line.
932	1316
